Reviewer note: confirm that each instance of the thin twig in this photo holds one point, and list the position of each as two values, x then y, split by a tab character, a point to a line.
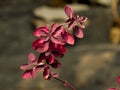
65	83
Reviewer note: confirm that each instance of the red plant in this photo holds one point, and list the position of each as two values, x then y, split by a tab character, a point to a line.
50	44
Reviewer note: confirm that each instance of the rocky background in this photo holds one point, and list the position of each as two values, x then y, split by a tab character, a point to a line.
91	64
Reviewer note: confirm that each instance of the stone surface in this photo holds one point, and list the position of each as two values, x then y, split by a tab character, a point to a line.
100	21
47	14
92	66
56	13
102	2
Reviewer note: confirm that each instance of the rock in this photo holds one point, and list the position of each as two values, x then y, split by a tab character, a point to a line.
97	30
50	14
12	3
114	35
56	3
102	2
90	65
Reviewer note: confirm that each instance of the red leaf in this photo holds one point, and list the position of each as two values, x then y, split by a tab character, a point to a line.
58	31
82	19
78	32
57	41
53	27
41	31
118	79
27	74
68	38
34	73
42	48
38	41
47	73
24	66
50	59
71	24
112	89
41	57
40	45
68	11
55	64
31	57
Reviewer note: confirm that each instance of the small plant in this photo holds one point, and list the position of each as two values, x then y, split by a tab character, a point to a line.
50	44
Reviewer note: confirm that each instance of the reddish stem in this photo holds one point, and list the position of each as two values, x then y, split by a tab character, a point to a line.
65	83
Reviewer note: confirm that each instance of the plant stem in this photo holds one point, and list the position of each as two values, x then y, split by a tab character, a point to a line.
65	83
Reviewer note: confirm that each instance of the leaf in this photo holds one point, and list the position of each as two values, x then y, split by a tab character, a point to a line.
47	73
57	40
68	11
31	57
58	31
27	74
78	32
24	66
118	79
68	38
41	31
112	89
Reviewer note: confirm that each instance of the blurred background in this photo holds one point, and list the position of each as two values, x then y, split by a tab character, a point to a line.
93	63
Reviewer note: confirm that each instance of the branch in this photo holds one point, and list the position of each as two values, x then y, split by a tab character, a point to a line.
65	83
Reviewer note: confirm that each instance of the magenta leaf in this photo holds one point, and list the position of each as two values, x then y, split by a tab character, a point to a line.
75	17
56	64
38	41
57	41
58	50
112	89
82	19
68	38
54	26
58	31
118	79
71	24
24	67
42	57
78	32
40	46
50	59
34	71
68	11
41	31
27	74
31	57
74	20
47	73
